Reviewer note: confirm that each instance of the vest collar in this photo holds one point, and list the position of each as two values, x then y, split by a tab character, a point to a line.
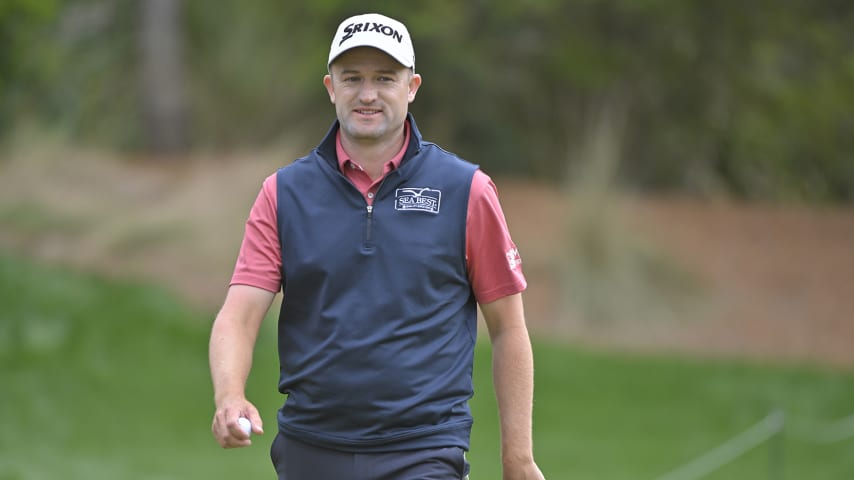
327	145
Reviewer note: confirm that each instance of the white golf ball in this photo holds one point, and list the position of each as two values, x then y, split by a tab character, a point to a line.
245	425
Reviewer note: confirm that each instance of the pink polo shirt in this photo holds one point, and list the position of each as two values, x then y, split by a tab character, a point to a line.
360	178
493	261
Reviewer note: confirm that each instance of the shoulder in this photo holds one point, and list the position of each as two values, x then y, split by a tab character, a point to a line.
306	165
481	182
483	189
444	167
436	153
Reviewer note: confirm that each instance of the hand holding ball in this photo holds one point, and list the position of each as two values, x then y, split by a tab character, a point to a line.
245	425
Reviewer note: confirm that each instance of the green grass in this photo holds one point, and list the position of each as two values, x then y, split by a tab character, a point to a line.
609	416
107	378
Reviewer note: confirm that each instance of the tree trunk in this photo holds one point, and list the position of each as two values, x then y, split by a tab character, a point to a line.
163	100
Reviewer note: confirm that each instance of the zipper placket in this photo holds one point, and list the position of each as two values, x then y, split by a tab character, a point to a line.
369	224
370	209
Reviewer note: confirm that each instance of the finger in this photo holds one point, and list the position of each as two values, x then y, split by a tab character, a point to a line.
257	423
237	443
227	431
218	431
235	430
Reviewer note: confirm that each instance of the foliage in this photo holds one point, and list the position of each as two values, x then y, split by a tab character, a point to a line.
21	23
750	99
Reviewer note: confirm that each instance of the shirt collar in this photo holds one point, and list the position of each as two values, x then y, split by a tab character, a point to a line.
392	164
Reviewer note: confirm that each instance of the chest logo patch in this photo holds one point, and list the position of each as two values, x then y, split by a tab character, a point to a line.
417	199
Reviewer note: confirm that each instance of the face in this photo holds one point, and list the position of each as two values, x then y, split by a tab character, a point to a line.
371	93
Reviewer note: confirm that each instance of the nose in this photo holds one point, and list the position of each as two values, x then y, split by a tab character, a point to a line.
368	93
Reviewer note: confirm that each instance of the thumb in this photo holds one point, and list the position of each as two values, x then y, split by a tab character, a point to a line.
257	423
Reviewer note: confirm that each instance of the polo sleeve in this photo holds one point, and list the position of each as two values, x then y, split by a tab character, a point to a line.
493	261
259	262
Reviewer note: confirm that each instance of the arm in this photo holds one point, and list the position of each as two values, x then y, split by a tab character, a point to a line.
513	377
230	352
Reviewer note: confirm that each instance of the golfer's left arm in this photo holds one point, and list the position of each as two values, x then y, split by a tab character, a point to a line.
513	377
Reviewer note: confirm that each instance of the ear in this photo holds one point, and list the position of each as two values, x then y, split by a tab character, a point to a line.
327	82
414	84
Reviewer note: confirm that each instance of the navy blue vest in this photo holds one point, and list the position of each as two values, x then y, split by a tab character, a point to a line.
378	320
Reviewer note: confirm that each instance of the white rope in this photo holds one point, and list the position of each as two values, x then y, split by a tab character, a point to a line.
730	450
835	432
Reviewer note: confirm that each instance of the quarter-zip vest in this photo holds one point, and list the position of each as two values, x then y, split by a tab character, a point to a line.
378	320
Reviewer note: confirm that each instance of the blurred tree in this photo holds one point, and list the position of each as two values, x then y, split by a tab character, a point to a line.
750	99
21	24
163	99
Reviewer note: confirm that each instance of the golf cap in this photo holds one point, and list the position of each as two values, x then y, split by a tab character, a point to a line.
377	31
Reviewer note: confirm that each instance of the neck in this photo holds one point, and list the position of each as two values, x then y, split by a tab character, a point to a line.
373	155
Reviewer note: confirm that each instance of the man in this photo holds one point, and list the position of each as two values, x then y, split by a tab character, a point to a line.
383	245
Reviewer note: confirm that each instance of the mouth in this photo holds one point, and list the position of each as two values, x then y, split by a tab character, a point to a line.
368	112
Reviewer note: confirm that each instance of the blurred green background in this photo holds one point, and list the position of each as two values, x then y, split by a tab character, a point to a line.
677	174
107	379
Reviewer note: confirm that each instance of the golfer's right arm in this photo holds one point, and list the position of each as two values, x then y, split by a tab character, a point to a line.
230	353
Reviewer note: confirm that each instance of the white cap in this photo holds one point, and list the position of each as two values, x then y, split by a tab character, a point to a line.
374	30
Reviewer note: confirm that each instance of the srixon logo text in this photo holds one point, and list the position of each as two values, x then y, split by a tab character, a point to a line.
355	28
